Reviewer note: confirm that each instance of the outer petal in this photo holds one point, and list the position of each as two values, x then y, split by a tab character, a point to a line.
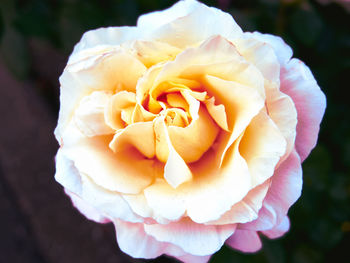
188	22
284	191
282	50
126	172
246	210
147	246
278	230
111	36
245	241
94	202
87	210
298	82
262	146
196	239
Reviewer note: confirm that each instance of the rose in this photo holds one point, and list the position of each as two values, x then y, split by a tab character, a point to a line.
185	132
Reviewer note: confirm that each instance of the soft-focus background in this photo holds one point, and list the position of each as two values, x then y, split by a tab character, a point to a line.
37	221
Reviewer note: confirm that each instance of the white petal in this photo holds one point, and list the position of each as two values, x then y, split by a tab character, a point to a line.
196	239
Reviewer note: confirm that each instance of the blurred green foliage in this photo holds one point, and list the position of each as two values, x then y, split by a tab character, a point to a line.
318	34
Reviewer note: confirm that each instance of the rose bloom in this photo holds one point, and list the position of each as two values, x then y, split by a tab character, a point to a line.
185	132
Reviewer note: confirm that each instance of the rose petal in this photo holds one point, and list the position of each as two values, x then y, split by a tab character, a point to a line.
278	230
182	138
130	137
282	50
110	36
284	191
89	116
153	52
298	82
91	200
245	241
196	239
109	170
176	171
87	210
262	146
217	57
246	210
118	102
241	104
188	22
146	245
218	113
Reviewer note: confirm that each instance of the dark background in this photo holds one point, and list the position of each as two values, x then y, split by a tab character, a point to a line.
37	221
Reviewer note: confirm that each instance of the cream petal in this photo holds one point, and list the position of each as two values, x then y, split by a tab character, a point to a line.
262	146
139	135
282	50
187	23
109	72
196	239
246	210
260	54
118	102
71	93
139	205
218	113
218	57
125	172
89	116
164	200
91	200
153	52
111	36
86	209
241	104
182	138
106	201
282	111
176	171
67	174
200	197
146	245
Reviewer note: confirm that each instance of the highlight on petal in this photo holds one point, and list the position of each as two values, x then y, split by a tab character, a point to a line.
245	241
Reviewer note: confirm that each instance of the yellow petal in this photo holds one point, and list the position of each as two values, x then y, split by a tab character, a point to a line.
119	102
176	171
217	112
109	72
153	52
241	104
124	172
139	135
193	141
262	146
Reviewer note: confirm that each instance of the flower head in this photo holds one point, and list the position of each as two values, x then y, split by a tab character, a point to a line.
186	132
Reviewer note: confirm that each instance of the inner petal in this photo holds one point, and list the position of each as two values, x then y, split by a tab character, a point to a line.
193	141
